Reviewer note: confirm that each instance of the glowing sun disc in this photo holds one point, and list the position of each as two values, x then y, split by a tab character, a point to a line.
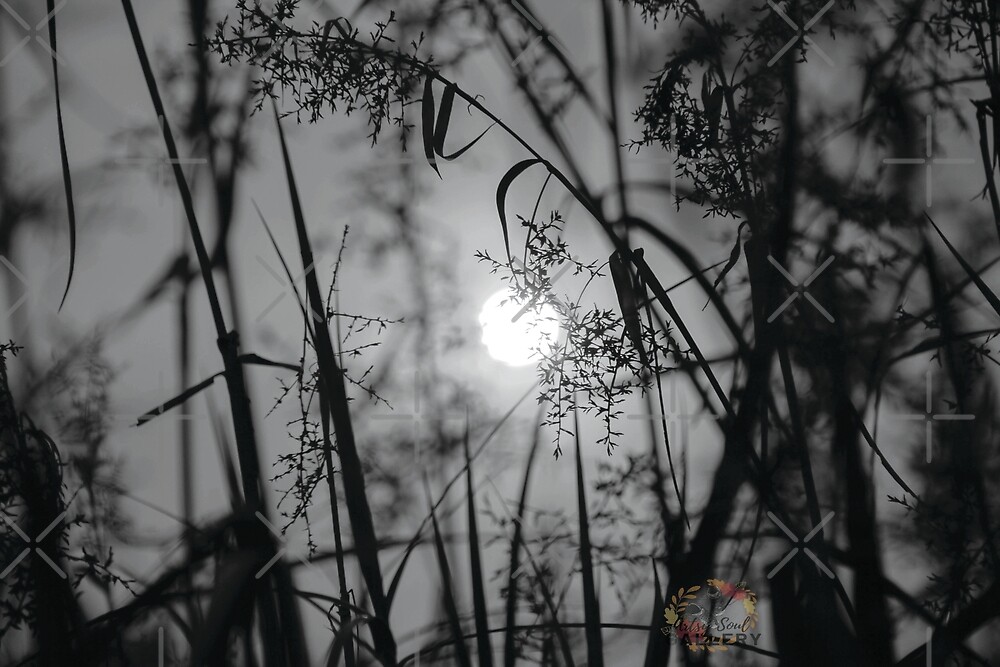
514	337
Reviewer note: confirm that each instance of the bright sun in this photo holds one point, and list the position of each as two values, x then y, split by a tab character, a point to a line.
512	336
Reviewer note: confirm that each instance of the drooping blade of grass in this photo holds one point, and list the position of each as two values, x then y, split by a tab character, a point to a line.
451	609
621	275
514	569
991	297
878	452
441	128
332	383
504	185
50	7
427	123
655	635
483	642
591	608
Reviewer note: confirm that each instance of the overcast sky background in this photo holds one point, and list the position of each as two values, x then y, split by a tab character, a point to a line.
128	225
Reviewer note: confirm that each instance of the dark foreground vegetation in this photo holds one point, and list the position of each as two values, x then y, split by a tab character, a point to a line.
823	175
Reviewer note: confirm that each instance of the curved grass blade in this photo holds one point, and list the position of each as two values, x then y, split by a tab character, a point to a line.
427	123
591	608
441	128
50	7
505	183
483	642
878	452
621	275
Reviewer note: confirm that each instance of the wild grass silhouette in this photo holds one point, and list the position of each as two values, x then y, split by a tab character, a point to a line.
847	287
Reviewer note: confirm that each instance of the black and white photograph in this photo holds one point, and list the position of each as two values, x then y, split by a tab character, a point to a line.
499	333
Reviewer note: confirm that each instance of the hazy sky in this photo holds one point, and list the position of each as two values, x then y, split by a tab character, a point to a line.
128	225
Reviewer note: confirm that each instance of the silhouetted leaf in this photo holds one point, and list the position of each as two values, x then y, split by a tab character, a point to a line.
505	183
63	153
991	297
427	123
